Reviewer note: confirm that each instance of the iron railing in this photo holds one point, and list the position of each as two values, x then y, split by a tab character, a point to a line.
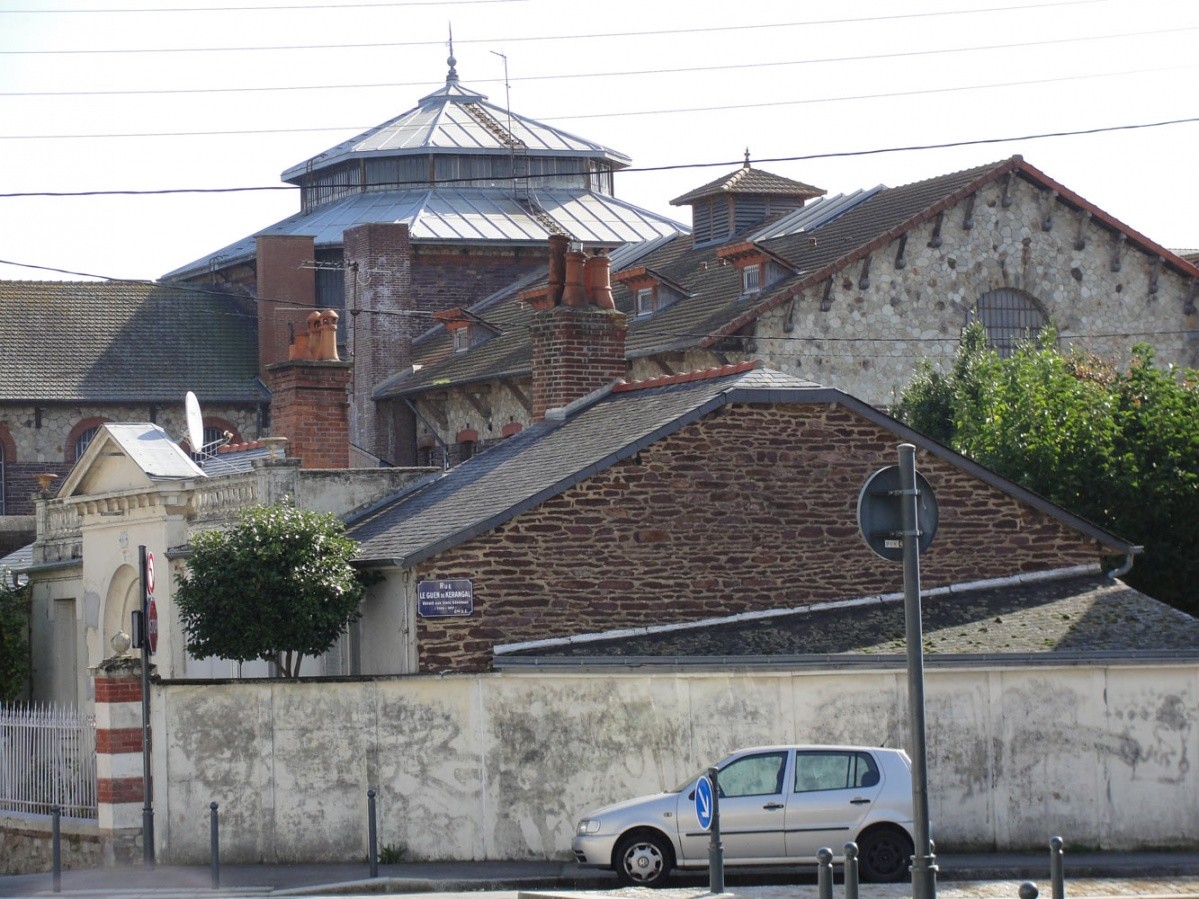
47	759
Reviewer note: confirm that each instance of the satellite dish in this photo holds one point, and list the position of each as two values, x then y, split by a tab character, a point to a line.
195	422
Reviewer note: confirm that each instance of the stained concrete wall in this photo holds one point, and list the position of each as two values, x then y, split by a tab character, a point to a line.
501	765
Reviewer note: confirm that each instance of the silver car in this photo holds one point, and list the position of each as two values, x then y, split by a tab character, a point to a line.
777	805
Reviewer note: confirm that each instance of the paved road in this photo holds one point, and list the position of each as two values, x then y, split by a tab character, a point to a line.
981	876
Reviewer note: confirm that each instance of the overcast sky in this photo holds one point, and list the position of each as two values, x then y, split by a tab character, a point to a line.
166	95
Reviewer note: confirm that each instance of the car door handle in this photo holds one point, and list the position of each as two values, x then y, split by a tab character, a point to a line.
859	802
772	806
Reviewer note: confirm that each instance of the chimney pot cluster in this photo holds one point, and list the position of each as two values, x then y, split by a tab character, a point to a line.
319	344
576	279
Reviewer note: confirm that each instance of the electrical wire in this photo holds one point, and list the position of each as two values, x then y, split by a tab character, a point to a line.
572	36
561	76
639	169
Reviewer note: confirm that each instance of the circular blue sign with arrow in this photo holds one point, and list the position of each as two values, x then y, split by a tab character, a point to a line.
703	802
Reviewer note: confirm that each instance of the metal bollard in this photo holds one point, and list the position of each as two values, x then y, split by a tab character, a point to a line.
1028	890
215	840
1057	873
56	846
851	870
824	873
372	834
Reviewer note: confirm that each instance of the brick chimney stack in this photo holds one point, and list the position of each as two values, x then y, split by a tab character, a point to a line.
578	335
310	400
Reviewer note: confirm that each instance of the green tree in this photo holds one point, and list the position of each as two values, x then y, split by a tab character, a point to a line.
1118	447
278	585
14	641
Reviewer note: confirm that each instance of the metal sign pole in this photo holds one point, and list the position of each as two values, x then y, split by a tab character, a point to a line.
147	785
715	846
924	869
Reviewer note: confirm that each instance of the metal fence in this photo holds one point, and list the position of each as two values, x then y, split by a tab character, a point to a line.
47	758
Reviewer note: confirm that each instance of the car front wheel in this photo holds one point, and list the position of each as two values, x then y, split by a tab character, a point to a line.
884	855
643	860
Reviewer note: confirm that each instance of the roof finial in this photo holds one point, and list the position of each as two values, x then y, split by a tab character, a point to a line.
452	77
746	157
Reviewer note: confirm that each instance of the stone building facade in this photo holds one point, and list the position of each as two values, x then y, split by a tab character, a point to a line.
851	292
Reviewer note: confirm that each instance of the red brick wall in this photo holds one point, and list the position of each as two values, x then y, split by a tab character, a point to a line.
310	407
283	284
751	508
576	349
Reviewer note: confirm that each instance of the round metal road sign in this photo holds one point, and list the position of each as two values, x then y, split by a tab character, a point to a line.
880	515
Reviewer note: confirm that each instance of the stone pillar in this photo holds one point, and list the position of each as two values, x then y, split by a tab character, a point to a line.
120	788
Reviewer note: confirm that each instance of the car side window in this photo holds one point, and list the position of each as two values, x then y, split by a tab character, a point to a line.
834	770
753	775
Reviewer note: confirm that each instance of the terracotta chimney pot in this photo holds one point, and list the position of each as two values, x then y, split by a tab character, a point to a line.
557	272
597	275
327	338
575	294
314	333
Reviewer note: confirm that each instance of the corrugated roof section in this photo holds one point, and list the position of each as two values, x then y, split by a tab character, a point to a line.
464	215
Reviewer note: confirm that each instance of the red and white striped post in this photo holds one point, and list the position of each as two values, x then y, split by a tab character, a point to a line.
120	783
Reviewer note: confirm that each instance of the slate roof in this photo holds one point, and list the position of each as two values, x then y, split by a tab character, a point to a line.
596	432
1052	619
814	244
748	180
124	341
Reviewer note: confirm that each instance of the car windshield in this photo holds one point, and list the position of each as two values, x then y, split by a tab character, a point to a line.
689	782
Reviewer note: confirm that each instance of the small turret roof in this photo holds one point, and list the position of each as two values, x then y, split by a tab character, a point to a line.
748	180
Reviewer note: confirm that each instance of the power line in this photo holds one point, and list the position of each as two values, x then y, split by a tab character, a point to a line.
605	115
573	36
290	7
641	169
561	76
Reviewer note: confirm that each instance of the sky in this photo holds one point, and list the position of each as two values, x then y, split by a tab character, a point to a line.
172	116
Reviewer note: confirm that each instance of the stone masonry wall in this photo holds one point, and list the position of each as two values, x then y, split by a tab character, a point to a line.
868	341
41	441
752	508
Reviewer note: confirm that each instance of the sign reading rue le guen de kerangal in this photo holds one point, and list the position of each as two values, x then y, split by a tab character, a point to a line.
441	599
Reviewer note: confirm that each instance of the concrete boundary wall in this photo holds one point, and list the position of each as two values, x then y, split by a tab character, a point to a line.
501	765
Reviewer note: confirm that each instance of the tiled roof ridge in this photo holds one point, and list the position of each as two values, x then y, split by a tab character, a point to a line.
699	374
240	447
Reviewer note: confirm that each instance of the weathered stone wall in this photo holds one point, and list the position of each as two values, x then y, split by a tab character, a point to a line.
753	508
501	766
29	848
868	340
41	438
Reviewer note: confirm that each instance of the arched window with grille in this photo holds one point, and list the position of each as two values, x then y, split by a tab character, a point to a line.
1009	317
84	440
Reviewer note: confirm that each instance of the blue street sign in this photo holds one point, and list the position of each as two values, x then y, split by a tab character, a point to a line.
703	802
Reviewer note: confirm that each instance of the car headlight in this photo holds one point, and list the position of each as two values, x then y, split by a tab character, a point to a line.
588	825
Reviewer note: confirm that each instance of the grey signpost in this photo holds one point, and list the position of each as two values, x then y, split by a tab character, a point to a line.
897	513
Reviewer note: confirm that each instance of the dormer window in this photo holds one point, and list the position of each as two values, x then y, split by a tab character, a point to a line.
462	339
466	329
647	300
751	279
